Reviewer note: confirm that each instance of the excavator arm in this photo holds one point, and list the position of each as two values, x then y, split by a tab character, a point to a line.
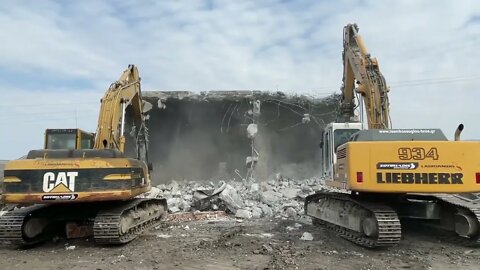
121	94
361	73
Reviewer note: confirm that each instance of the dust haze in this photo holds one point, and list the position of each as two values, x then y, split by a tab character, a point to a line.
203	137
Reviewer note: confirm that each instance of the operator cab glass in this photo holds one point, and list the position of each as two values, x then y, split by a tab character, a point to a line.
86	140
342	136
68	139
61	139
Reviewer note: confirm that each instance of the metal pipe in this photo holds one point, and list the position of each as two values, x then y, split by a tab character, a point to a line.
123	117
362	120
361	45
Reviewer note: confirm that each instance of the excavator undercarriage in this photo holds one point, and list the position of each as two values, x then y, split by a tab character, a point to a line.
363	222
374	220
108	222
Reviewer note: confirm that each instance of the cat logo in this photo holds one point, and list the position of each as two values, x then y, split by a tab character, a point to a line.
60	182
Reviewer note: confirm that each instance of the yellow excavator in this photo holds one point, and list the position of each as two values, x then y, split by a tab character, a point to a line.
85	181
385	176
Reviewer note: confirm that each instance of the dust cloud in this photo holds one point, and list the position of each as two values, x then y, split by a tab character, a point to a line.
203	137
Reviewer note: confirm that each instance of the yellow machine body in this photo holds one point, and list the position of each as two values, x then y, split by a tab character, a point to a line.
42	180
408	167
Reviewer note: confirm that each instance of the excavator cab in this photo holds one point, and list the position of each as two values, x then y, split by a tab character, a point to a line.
68	139
334	135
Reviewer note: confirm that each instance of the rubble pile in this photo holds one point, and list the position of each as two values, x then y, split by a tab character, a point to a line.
279	197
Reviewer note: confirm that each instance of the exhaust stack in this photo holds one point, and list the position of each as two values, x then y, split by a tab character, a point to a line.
458	132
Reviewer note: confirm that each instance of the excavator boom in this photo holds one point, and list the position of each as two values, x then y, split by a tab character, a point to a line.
361	74
111	120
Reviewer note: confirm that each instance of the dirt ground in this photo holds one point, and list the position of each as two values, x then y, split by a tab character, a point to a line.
251	244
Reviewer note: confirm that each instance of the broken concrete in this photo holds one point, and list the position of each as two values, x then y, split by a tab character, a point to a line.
256	212
266	210
231	198
291	212
290	192
243	213
242	199
306	236
270	197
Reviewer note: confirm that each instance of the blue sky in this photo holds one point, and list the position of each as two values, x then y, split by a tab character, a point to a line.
58	57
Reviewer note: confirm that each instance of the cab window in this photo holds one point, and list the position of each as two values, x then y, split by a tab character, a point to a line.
61	141
342	136
86	141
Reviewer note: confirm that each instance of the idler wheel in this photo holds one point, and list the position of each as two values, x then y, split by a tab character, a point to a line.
34	227
370	227
466	225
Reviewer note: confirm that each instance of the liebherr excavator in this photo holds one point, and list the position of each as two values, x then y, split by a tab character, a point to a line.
71	182
385	176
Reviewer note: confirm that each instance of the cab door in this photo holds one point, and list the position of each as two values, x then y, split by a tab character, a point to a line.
85	140
327	154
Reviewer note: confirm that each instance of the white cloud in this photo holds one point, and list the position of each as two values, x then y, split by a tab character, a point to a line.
26	114
203	45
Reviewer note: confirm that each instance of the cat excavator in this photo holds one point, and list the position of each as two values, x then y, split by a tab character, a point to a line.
381	178
85	182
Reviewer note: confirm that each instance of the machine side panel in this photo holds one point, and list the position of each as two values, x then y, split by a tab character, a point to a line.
413	166
74	180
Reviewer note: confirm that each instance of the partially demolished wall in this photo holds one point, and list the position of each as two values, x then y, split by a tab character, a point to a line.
234	134
2	166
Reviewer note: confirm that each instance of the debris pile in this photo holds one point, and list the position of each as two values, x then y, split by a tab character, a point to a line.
279	197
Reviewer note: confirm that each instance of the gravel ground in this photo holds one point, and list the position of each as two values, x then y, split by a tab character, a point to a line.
270	232
226	243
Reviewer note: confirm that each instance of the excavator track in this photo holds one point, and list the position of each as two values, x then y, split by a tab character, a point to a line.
113	223
389	228
468	205
123	223
12	225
